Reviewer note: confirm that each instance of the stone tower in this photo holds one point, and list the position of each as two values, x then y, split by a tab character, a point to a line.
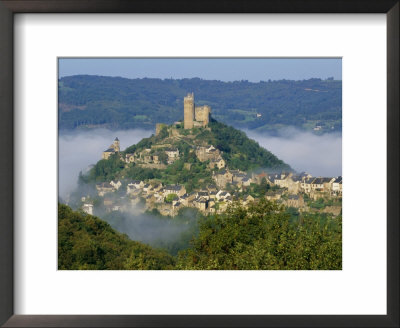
116	144
202	114
188	111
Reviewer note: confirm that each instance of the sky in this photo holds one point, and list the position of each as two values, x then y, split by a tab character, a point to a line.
253	70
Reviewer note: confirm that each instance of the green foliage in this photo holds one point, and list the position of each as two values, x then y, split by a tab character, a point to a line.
257	190
87	243
239	151
170	198
142	144
119	103
140	173
163	133
262	237
104	170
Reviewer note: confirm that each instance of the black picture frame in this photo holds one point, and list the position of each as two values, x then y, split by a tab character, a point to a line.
10	7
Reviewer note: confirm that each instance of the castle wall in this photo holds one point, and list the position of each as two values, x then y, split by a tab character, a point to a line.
202	114
159	127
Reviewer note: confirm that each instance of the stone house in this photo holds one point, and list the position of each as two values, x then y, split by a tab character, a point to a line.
158	198
203	194
87	208
306	185
272	178
222	195
172	153
184	199
133	186
337	186
222	178
246	182
274	195
104	188
174	189
129	158
282	179
212	187
218	163
247	200
116	185
156	159
294	184
322	184
257	178
147	188
212	194
328	184
296	201
147	158
157	187
201	203
207	153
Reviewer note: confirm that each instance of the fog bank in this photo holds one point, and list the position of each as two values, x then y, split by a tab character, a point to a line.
305	151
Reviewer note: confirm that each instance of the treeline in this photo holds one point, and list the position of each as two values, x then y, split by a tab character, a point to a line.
120	103
261	237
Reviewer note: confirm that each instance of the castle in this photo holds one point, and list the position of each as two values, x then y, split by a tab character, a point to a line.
114	148
194	116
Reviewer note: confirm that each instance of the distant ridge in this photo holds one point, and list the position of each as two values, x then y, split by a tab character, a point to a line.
87	101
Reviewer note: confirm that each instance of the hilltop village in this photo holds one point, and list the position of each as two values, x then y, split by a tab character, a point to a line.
223	186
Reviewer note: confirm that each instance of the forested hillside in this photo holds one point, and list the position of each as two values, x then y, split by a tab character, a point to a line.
263	236
119	103
86	242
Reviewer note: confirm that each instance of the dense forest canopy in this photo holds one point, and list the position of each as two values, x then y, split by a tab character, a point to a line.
86	242
87	101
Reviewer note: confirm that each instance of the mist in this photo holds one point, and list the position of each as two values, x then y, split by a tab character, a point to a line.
319	155
78	150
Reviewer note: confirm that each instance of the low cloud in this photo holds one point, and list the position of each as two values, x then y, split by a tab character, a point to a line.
305	151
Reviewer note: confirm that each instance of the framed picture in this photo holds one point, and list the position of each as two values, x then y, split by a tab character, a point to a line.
176	151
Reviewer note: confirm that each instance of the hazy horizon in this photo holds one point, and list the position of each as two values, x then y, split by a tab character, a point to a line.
222	69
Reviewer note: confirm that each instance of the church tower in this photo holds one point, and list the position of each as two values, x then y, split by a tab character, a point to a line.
116	144
188	111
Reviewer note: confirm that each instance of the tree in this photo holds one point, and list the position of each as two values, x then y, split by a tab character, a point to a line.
87	243
262	237
171	197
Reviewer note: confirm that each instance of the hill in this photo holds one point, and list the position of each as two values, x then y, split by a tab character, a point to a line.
118	103
87	243
233	146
